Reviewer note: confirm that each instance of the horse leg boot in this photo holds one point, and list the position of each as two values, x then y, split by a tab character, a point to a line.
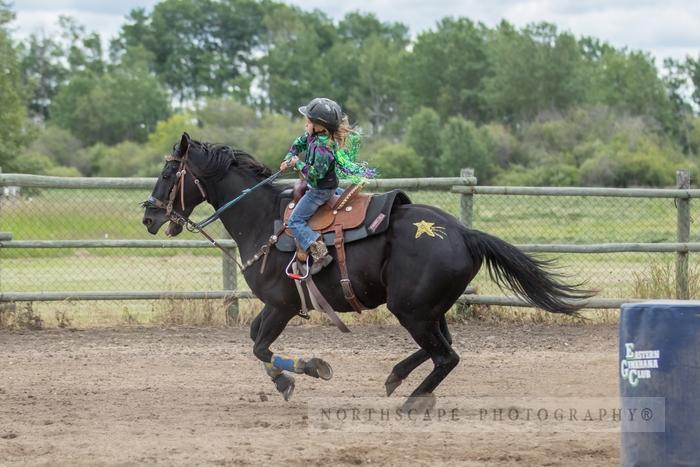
406	366
427	334
269	330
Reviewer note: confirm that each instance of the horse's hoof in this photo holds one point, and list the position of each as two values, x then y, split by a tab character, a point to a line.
285	385
392	382
419	404
318	369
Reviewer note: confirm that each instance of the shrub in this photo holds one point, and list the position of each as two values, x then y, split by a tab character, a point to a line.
394	160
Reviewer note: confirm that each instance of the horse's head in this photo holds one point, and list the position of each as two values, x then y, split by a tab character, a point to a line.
178	190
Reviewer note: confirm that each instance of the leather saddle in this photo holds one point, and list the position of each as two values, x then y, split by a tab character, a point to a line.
345	211
346	217
369	220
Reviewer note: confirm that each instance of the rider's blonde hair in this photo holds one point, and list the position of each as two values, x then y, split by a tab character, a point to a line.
339	135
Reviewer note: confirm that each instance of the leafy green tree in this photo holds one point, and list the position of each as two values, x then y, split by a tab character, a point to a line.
694	135
534	70
62	148
271	140
149	160
126	159
502	145
692	66
200	47
463	146
630	82
364	64
225	120
48	62
446	70
676	80
640	163
14	126
44	70
376	93
124	104
294	66
227	113
423	136
359	27
83	50
32	163
135	33
394	160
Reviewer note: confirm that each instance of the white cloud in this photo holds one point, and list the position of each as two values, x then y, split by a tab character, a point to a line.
105	17
113	7
669	28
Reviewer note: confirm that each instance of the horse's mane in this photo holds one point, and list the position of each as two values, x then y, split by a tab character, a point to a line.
222	157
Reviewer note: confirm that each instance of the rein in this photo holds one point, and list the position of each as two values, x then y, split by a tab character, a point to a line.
235	200
198	227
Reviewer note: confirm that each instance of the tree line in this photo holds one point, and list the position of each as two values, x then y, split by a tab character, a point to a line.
532	105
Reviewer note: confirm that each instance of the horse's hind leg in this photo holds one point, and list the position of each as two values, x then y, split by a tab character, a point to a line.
406	366
427	334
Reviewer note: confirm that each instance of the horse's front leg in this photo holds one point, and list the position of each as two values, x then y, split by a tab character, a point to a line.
270	323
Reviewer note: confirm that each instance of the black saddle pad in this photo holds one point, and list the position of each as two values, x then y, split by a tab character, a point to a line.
376	221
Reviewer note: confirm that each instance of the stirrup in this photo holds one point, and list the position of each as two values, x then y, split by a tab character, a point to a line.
291	274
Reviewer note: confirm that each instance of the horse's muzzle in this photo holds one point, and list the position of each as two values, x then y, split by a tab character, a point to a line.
153	220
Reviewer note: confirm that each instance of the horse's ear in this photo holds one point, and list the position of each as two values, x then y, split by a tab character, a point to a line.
184	142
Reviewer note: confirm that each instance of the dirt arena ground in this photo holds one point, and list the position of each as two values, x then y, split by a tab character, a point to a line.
197	396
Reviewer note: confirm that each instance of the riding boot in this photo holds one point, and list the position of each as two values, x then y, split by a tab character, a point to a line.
320	255
301	255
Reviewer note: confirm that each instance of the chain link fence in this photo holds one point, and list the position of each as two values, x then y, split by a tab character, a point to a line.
59	214
597	220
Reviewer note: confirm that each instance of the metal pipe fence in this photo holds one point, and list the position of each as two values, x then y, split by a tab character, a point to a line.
81	239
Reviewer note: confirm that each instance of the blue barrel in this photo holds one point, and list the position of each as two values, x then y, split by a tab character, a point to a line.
660	383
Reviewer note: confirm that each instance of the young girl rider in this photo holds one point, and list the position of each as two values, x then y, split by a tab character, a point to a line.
331	147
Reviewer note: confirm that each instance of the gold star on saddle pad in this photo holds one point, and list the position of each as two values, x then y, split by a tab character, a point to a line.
430	229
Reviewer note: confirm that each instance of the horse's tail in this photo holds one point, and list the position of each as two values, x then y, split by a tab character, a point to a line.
531	279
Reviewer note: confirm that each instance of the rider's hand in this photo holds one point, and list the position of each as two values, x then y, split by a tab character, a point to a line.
289	164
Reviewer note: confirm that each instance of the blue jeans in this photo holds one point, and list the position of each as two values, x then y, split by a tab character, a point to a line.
305	208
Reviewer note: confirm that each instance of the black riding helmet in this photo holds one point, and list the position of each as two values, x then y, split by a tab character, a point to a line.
325	111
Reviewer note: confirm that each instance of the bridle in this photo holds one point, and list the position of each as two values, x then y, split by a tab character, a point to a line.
178	186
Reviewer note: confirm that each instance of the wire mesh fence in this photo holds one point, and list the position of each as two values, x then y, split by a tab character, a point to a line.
582	220
57	214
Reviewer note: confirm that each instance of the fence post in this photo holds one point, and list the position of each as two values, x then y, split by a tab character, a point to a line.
230	275
682	235
466	201
4	236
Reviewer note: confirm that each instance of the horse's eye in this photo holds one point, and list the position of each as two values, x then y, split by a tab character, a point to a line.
165	176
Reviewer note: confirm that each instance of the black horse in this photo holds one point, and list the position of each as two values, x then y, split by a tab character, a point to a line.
418	267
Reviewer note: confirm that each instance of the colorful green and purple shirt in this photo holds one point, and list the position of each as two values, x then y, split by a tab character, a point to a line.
319	164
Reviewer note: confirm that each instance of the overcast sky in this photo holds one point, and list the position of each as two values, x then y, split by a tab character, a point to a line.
669	28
